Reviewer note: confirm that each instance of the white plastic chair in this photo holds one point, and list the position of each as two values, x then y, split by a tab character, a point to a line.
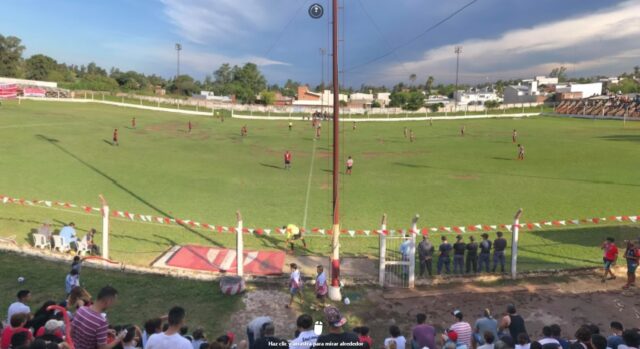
60	245
40	241
83	247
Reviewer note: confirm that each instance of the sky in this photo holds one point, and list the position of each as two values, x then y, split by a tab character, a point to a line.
382	42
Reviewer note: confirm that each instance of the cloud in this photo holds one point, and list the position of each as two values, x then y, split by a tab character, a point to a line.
203	21
597	42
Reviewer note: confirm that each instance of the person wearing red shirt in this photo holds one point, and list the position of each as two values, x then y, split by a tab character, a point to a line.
190	126
287	160
115	137
133	122
610	257
17	323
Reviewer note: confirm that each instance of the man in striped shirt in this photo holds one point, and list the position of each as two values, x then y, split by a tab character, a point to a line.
90	327
463	329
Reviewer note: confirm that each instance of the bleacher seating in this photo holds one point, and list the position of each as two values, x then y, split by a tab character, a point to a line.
613	106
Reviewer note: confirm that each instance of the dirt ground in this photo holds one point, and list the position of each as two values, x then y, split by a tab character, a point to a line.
569	301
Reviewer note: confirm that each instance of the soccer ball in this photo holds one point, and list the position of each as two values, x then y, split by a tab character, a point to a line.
347	301
21	279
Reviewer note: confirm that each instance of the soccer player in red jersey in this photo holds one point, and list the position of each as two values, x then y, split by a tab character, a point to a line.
287	160
190	126
520	152
133	122
115	137
462	131
514	135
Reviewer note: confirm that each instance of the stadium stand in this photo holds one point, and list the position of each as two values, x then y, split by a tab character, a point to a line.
612	106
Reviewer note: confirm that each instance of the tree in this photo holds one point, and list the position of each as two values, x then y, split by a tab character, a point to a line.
435	107
636	70
491	104
375	104
250	78
429	84
560	73
413	100
94	69
11	56
290	88
39	67
267	97
183	85
412	77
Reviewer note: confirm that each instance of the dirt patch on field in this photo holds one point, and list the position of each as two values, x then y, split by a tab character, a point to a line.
325	186
567	301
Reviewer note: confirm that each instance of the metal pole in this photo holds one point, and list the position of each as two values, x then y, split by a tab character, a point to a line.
412	252
383	250
334	290
105	228
457	50
514	244
239	245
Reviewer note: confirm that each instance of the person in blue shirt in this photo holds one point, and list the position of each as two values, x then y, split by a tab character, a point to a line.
405	248
68	234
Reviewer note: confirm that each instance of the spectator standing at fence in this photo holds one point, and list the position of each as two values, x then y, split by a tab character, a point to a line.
483	325
424	335
631	254
459	247
472	255
499	245
485	253
20	305
615	339
513	322
425	255
171	338
337	338
610	256
72	280
89	329
444	260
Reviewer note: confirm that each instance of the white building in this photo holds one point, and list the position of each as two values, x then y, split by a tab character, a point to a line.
476	97
526	92
588	90
325	98
210	96
544	80
384	98
361	96
435	99
23	82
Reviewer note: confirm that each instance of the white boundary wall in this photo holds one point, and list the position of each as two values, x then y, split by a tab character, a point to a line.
117	104
416	118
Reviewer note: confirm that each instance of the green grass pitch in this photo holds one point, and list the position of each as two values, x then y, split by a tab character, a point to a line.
62	151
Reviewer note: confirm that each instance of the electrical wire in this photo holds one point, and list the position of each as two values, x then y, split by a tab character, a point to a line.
423	33
284	29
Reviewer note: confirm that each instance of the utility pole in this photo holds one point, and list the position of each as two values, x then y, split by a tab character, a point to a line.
458	51
178	49
323	51
334	289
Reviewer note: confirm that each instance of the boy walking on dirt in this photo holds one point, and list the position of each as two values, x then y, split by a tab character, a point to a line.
632	255
610	256
295	284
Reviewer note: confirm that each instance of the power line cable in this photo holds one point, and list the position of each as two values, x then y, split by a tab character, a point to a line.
426	31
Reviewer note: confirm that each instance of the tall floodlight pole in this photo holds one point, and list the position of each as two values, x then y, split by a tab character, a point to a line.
458	51
334	289
178	49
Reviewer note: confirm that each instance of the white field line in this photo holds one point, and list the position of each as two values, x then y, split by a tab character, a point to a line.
38	125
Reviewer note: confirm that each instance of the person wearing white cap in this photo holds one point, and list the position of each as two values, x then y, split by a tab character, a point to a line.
53	330
463	329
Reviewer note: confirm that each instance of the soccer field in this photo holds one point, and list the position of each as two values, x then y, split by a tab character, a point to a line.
59	151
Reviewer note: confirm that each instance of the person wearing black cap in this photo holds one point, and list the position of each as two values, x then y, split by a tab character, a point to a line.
458	255
499	245
485	252
463	329
444	260
337	337
472	255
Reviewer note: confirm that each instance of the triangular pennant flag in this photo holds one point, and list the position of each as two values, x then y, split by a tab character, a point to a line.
595	220
352	232
6	199
633	218
367	232
425	231
507	226
434	229
159	220
47	203
538	225
493	227
530	226
142	218
447	229
471	228
321	231
575	221
167	220
463	230
548	223
267	231
87	209
619	218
